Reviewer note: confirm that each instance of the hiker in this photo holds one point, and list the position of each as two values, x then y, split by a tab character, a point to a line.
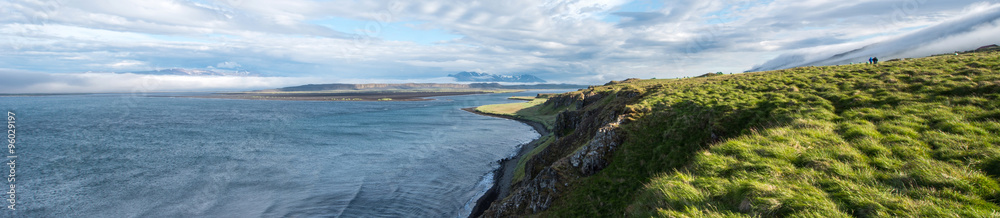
869	60
875	60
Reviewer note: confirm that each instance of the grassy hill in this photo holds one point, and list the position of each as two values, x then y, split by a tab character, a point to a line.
917	137
533	109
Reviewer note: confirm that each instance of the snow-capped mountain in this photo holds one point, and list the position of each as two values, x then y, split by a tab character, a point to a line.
486	77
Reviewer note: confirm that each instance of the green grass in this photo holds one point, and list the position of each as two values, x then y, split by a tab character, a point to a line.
533	110
525	98
905	138
519	170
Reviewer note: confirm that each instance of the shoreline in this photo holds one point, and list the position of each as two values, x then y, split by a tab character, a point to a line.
503	175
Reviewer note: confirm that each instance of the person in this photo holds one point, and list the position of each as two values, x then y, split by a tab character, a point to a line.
869	60
875	60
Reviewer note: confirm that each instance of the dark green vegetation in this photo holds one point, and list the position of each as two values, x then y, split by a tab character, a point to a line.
532	110
519	171
917	137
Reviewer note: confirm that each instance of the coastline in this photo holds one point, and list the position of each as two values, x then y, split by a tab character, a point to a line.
503	175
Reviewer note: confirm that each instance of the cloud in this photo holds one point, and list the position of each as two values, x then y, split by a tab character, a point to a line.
561	40
976	28
18	81
125	64
36	82
228	65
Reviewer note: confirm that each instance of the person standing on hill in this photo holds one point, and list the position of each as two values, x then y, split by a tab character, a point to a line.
875	60
869	60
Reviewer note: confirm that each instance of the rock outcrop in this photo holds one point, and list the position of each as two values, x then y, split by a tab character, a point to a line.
593	157
587	135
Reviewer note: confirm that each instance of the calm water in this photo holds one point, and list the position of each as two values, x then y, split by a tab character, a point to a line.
123	155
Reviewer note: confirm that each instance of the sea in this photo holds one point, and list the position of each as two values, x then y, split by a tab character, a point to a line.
163	155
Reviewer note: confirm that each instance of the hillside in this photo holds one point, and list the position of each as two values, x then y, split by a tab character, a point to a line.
916	137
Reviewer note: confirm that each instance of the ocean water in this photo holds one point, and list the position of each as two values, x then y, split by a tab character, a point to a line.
129	155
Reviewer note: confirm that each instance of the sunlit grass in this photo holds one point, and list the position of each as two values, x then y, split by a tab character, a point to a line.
533	110
525	98
905	138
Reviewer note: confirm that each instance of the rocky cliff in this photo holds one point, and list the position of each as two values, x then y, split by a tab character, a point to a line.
905	138
587	135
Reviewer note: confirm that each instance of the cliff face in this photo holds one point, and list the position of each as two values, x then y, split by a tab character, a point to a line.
587	134
915	137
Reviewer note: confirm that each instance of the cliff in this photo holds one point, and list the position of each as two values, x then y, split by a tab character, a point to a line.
916	137
587	117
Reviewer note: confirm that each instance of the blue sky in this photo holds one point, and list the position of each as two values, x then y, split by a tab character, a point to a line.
66	46
409	31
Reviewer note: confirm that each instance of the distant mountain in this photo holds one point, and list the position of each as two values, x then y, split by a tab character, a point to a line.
399	86
485	77
385	86
546	86
195	72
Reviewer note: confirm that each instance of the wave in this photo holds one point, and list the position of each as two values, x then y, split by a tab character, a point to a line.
483	186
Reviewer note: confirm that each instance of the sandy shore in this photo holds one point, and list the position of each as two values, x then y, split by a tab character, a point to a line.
503	176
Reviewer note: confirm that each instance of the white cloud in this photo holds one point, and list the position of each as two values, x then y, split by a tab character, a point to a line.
228	65
976	27
559	40
34	82
126	64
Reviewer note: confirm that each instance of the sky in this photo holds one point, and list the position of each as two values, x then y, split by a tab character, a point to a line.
74	46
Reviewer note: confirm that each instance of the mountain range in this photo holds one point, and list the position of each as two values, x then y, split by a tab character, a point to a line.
486	77
417	86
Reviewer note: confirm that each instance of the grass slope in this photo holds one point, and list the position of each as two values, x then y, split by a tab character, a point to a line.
906	138
533	110
545	141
